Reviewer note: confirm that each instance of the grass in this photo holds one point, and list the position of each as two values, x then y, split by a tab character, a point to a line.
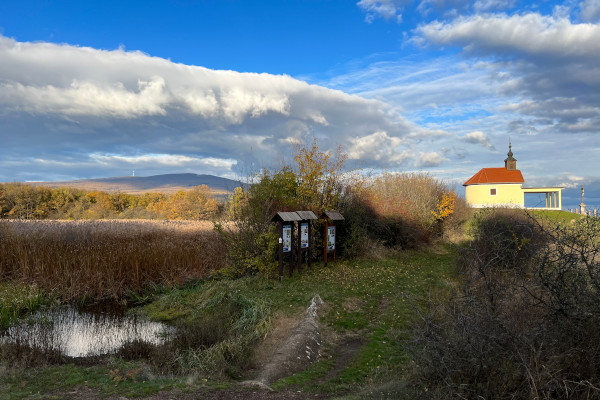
374	300
556	216
117	378
17	300
106	258
369	303
385	294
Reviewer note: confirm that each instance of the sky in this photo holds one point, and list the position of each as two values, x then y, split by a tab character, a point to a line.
94	89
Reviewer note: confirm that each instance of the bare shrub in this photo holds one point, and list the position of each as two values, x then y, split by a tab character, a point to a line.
525	323
105	258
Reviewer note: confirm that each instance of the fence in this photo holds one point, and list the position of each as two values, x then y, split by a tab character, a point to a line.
588	212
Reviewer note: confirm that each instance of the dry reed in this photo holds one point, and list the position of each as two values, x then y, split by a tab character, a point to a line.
105	258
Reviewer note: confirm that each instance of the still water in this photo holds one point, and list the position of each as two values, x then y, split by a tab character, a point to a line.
78	333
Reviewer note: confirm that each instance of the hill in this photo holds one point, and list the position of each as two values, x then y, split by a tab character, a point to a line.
168	183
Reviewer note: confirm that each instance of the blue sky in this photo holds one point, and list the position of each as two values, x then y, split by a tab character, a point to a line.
98	88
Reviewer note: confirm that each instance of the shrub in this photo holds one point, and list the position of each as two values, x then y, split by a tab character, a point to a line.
525	323
398	210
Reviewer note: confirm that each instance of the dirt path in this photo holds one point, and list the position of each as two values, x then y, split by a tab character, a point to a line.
301	348
241	393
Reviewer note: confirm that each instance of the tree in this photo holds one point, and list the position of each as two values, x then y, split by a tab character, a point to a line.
312	183
318	175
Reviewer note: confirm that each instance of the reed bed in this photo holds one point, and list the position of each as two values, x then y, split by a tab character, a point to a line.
107	258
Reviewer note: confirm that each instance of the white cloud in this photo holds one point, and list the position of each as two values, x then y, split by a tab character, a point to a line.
87	98
479	137
429	159
378	149
549	74
65	103
388	9
590	10
532	34
447	8
176	160
492	5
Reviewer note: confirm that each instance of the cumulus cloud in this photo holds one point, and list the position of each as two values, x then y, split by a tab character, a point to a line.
378	149
92	108
528	34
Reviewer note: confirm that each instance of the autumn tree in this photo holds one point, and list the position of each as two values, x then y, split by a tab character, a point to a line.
312	182
318	175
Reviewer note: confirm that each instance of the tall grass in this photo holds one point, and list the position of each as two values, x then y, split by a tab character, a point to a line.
106	258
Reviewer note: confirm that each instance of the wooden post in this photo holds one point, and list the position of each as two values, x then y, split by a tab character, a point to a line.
309	250
325	242
299	247
292	252
280	223
334	239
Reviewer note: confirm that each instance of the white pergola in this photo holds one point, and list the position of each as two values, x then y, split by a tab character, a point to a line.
553	197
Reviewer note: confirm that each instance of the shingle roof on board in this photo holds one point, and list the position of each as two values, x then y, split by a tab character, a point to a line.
332	215
306	215
286	216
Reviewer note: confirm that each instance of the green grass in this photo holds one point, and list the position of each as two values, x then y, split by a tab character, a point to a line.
556	216
17	300
373	300
118	378
383	295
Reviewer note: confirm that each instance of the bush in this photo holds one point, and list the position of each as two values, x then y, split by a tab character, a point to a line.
399	210
311	184
525	323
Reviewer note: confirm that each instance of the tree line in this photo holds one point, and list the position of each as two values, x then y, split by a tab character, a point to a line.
23	201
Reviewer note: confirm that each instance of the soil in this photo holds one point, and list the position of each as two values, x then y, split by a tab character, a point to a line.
344	353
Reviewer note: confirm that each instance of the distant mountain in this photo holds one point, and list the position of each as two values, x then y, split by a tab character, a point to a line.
168	183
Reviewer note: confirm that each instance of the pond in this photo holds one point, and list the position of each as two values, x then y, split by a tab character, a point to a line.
87	332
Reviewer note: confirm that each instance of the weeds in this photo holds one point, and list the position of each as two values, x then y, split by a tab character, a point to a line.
106	258
17	300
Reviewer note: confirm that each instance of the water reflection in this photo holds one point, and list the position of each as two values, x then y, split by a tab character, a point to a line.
77	333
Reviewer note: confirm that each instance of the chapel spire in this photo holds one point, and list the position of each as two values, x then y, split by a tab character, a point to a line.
510	163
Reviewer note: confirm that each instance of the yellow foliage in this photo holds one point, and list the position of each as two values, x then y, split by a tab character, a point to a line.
445	207
318	176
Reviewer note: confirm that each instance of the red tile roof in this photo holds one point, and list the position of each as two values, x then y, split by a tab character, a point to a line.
495	175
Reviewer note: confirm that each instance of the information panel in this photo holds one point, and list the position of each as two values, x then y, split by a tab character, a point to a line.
331	238
304	236
287	238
